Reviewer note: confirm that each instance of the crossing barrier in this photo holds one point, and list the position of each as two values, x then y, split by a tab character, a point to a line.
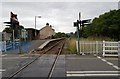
105	48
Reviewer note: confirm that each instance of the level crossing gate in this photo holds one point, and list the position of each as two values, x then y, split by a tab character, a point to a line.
111	48
104	48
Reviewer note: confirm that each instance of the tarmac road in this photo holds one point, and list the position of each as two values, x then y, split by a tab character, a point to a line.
12	61
91	67
72	67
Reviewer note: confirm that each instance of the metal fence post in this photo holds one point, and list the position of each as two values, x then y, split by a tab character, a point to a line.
103	49
5	46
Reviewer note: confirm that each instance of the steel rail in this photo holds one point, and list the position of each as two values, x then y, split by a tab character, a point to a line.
55	62
25	66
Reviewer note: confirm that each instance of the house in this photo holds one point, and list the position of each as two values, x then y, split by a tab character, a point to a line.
46	32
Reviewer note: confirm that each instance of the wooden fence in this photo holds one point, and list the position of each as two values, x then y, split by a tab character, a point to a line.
105	48
111	48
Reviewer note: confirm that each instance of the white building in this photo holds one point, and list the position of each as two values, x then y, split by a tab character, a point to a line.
46	32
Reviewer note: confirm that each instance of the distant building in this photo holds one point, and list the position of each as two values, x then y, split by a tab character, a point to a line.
31	33
46	32
24	34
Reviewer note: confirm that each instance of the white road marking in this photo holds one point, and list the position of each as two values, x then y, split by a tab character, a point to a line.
116	67
103	60
98	57
2	70
90	75
15	57
3	55
109	63
81	72
95	54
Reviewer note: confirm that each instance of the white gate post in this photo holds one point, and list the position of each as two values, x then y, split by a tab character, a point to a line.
103	49
83	48
90	47
80	46
96	47
77	45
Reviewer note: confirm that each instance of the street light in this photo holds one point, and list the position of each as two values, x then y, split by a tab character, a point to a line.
35	25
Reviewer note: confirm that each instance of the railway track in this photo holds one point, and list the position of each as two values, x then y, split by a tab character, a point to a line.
52	48
55	61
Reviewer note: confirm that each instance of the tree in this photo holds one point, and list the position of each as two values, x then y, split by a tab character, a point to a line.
8	30
106	25
59	35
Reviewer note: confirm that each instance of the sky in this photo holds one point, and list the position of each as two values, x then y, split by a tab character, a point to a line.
60	15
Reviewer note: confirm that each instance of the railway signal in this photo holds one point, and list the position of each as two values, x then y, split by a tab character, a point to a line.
79	24
16	29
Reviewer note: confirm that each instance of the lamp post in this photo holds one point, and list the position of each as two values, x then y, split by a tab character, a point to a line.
35	25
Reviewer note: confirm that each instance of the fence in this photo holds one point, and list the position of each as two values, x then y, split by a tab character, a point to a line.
9	45
111	48
2	46
105	48
91	47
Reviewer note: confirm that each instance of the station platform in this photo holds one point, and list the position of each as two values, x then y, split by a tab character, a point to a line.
46	42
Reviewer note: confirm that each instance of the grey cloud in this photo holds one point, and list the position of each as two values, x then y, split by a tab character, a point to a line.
60	14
